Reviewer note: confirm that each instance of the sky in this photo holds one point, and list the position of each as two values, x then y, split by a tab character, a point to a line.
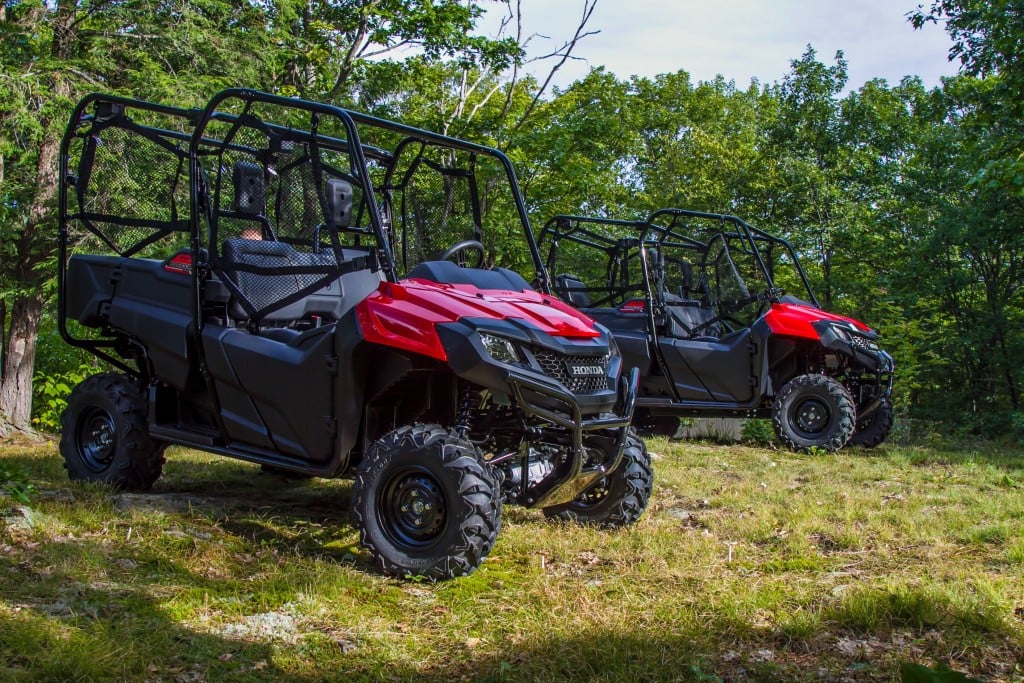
739	39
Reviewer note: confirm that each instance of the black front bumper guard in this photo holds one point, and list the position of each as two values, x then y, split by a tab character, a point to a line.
568	479
880	364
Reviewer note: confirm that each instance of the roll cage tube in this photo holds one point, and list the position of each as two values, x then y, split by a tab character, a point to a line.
357	158
412	133
575	232
76	121
581	235
748	232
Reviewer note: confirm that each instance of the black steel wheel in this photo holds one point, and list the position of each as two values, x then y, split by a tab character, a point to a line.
105	436
617	499
814	411
874	429
96	438
413	509
426	503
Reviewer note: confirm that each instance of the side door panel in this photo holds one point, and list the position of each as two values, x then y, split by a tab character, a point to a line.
275	395
713	369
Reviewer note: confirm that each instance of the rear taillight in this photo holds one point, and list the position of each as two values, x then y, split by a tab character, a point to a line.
633	306
180	263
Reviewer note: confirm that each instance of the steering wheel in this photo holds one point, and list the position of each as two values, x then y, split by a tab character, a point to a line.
454	253
725	317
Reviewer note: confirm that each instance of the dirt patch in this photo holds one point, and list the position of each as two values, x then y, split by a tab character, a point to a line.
266	626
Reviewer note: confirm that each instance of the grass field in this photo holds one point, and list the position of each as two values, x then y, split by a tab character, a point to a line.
750	564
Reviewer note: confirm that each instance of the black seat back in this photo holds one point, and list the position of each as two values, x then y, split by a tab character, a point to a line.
250	265
572	290
688	318
259	289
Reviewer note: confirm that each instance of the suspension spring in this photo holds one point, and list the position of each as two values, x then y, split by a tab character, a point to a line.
465	408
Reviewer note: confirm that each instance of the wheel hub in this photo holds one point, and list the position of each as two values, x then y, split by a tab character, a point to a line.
413	510
595	494
96	439
812	416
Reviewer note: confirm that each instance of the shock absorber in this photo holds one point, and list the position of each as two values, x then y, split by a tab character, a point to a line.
464	409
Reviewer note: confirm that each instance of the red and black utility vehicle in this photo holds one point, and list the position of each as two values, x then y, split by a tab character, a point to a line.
330	294
695	301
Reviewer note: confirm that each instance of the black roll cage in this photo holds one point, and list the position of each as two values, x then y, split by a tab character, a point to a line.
198	119
745	233
655	233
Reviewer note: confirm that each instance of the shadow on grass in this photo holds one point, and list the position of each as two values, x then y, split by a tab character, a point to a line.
638	656
59	625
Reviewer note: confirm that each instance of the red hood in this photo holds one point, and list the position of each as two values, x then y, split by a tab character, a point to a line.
404	314
794	320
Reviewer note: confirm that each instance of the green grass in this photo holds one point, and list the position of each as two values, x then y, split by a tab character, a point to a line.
749	564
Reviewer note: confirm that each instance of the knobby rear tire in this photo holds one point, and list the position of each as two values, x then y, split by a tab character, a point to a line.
105	434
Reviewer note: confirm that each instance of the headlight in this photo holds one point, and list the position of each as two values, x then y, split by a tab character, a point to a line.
842	333
500	349
853	336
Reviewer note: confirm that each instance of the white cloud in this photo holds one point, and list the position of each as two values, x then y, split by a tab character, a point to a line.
741	39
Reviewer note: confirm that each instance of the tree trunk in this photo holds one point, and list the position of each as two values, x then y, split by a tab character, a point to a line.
1007	363
16	386
3	335
32	247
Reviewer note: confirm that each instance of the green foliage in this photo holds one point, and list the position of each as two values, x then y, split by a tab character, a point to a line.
758	432
16	482
918	673
1017	425
51	392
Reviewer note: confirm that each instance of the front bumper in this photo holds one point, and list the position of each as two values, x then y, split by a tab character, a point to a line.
548	400
568	479
876	383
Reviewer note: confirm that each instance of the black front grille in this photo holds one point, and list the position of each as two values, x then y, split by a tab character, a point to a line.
557	365
863	342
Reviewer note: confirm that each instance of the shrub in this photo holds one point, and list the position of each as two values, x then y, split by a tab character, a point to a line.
759	432
50	395
14	482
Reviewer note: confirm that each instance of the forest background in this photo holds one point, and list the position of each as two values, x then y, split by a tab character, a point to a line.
904	202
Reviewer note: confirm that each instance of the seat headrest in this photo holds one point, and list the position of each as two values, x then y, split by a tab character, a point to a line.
572	289
250	190
339	202
237	248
